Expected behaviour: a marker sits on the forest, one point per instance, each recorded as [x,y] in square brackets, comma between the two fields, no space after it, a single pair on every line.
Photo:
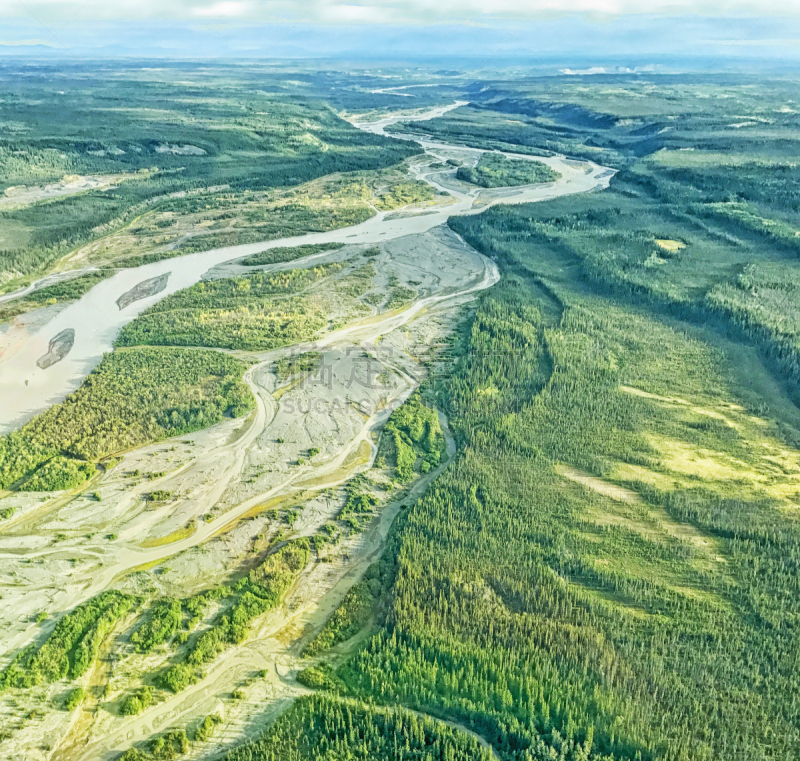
[318,728]
[289,219]
[608,570]
[412,441]
[156,140]
[73,644]
[698,206]
[544,614]
[494,170]
[131,398]
[254,313]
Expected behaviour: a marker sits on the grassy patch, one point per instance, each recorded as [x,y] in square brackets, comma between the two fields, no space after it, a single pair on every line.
[175,536]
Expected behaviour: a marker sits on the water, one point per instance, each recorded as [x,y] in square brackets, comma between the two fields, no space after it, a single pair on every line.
[96,318]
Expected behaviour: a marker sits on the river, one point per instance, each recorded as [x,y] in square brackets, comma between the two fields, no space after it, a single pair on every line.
[86,329]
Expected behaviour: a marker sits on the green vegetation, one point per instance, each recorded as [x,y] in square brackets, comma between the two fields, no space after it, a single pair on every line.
[318,728]
[207,727]
[496,171]
[360,502]
[564,613]
[260,591]
[320,677]
[169,746]
[290,219]
[349,618]
[257,312]
[481,127]
[412,440]
[288,367]
[195,606]
[559,610]
[166,747]
[763,302]
[178,677]
[6,513]
[74,698]
[693,213]
[131,398]
[72,646]
[404,194]
[135,702]
[358,280]
[161,622]
[66,290]
[288,253]
[182,139]
[59,473]
[399,295]
[608,568]
[674,257]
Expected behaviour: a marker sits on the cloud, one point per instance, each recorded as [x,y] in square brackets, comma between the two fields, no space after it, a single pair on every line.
[20,43]
[224,10]
[758,42]
[379,11]
[379,29]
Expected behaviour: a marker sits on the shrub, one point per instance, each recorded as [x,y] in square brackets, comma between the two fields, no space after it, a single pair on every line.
[169,746]
[74,698]
[73,644]
[136,702]
[320,677]
[162,622]
[177,677]
[207,727]
[133,754]
[59,474]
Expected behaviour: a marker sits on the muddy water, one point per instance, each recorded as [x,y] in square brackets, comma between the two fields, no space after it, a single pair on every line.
[30,384]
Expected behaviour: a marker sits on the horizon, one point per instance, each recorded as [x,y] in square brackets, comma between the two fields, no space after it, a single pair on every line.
[668,33]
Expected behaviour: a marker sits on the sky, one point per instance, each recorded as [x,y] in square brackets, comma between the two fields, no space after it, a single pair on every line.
[718,30]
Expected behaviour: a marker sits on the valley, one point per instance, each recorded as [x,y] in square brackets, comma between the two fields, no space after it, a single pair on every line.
[224,495]
[401,414]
